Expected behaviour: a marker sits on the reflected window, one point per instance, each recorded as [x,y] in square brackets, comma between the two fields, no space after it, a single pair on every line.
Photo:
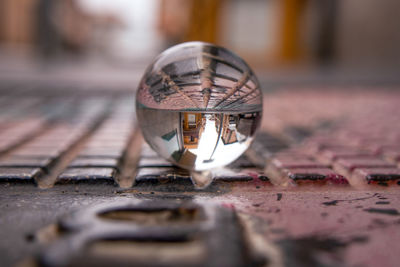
[192,128]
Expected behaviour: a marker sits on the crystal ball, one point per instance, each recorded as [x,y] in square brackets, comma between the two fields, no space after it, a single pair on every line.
[199,106]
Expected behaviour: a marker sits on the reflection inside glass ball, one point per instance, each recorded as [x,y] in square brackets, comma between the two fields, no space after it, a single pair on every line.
[199,106]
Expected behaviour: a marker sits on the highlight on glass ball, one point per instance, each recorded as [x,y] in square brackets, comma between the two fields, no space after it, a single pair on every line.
[199,106]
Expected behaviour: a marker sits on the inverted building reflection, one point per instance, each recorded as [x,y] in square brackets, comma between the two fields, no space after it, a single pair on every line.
[236,127]
[200,139]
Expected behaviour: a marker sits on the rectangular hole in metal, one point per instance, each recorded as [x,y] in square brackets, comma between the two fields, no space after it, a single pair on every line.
[153,216]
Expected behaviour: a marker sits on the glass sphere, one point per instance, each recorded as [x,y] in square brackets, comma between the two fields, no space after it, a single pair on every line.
[199,106]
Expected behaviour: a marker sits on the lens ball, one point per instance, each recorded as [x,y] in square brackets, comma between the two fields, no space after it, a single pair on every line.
[199,106]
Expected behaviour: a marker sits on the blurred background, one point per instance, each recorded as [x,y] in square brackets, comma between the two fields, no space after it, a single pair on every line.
[275,37]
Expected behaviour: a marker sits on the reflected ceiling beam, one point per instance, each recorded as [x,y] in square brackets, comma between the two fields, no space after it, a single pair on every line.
[174,76]
[207,67]
[223,61]
[244,96]
[176,88]
[243,80]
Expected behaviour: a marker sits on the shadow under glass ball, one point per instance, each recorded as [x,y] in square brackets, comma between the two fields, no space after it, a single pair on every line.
[199,106]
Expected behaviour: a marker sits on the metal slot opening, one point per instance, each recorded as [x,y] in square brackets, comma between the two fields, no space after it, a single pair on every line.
[153,216]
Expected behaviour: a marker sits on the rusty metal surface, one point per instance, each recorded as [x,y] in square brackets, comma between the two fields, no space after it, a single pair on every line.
[307,227]
[257,212]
